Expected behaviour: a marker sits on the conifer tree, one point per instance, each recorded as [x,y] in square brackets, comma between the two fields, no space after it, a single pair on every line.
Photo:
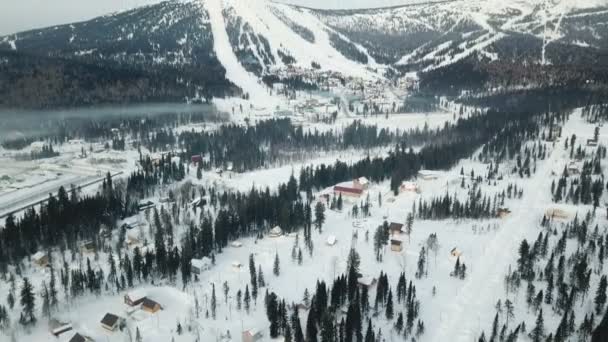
[600,295]
[538,332]
[27,302]
[253,277]
[276,269]
[261,280]
[389,305]
[213,301]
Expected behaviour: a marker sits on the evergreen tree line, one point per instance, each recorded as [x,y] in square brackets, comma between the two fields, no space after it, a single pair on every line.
[251,147]
[342,312]
[555,282]
[62,221]
[586,188]
[475,206]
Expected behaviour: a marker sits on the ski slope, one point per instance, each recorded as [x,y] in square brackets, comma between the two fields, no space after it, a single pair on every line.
[469,313]
[235,72]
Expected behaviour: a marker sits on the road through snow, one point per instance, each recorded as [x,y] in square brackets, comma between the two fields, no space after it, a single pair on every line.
[473,308]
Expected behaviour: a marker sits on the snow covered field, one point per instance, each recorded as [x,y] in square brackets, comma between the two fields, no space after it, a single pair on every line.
[452,309]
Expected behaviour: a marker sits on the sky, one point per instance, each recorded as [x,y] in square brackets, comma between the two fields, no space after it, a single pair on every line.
[21,15]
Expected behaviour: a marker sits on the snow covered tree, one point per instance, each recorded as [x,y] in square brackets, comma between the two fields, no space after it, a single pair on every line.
[311,326]
[298,336]
[261,280]
[389,305]
[276,269]
[253,277]
[213,301]
[28,303]
[600,295]
[421,263]
[272,312]
[409,225]
[538,332]
[319,215]
[247,299]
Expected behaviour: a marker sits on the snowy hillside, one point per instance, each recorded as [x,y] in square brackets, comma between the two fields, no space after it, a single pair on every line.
[197,39]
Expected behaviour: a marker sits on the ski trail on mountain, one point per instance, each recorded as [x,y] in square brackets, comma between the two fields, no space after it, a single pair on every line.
[469,311]
[235,72]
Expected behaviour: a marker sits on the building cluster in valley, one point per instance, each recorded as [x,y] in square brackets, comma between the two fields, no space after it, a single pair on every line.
[360,96]
[138,306]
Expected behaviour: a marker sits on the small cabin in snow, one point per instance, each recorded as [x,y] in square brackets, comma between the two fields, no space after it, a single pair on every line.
[409,187]
[396,244]
[428,174]
[366,281]
[201,265]
[88,247]
[57,328]
[455,252]
[135,297]
[331,240]
[252,335]
[361,183]
[503,212]
[40,259]
[150,305]
[79,338]
[276,232]
[236,244]
[395,228]
[110,322]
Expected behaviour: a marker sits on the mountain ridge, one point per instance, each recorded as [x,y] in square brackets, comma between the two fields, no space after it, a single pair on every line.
[265,37]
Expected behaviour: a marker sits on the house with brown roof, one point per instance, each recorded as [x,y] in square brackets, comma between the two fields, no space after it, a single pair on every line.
[347,191]
[135,297]
[396,244]
[150,305]
[395,228]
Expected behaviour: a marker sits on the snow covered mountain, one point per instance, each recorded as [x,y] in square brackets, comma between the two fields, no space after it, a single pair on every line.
[205,42]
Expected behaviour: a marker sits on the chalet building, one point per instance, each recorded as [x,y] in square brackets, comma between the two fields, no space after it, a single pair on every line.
[58,328]
[361,183]
[503,212]
[396,244]
[395,228]
[591,142]
[88,247]
[150,306]
[252,335]
[276,232]
[198,266]
[196,159]
[135,297]
[143,206]
[409,187]
[366,281]
[110,322]
[455,252]
[79,338]
[40,259]
[331,240]
[347,191]
[428,174]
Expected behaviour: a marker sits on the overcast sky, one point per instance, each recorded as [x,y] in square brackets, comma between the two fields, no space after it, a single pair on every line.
[20,15]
